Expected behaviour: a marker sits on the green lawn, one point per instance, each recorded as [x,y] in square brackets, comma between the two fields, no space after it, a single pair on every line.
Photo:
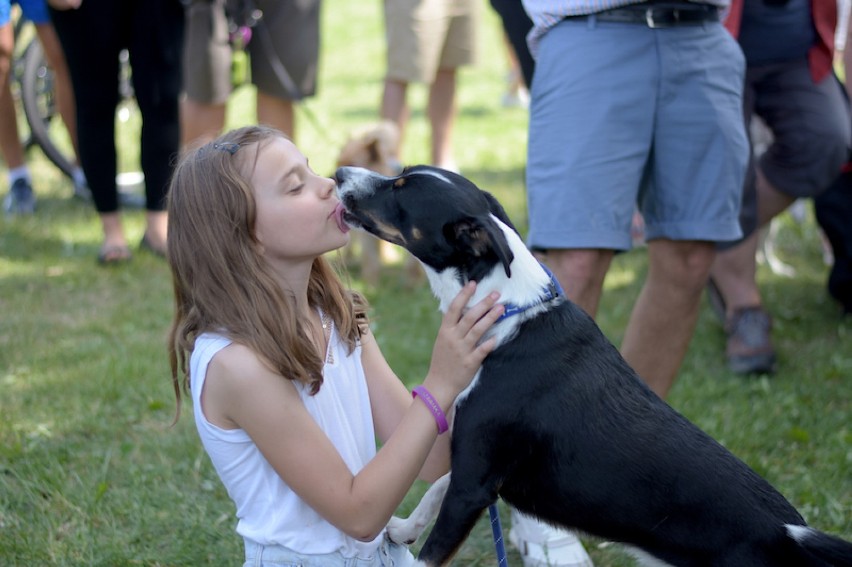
[91,473]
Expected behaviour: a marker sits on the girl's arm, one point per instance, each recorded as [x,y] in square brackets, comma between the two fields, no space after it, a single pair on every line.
[240,390]
[390,400]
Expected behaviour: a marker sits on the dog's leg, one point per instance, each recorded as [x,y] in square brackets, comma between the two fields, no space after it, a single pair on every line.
[408,530]
[462,507]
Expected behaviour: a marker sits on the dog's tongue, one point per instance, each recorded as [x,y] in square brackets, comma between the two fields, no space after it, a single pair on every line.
[338,217]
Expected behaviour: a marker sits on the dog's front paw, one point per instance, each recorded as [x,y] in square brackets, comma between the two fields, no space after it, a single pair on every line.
[403,531]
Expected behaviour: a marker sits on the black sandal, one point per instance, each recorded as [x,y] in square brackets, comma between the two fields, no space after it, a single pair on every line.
[146,244]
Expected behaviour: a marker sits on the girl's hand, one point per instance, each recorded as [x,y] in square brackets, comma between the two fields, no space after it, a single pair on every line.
[458,354]
[65,4]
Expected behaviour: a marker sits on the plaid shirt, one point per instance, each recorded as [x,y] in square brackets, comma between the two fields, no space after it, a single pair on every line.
[547,13]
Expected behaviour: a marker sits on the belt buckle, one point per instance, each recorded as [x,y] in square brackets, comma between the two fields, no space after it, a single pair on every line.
[652,22]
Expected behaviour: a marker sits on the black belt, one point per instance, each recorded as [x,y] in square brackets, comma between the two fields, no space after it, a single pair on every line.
[656,15]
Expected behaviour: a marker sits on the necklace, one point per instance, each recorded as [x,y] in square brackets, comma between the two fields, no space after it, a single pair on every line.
[326,333]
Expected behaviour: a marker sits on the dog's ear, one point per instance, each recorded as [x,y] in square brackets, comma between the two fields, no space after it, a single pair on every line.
[482,235]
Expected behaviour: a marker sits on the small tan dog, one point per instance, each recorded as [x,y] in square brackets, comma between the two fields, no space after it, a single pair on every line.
[373,147]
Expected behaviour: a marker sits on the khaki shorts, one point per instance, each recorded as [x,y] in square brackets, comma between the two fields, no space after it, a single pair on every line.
[293,27]
[426,35]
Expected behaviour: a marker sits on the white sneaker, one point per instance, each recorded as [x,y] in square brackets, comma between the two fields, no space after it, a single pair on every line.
[542,545]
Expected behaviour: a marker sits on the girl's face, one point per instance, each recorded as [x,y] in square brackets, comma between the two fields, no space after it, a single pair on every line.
[296,217]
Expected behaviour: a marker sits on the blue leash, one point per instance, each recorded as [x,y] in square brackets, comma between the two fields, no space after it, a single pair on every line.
[497,530]
[552,291]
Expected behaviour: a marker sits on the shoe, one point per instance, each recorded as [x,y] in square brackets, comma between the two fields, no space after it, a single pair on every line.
[114,255]
[542,545]
[749,349]
[146,244]
[20,200]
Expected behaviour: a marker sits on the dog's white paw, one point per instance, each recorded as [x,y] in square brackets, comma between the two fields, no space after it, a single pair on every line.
[403,530]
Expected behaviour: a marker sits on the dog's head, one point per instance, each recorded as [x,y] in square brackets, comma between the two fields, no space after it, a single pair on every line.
[372,148]
[440,217]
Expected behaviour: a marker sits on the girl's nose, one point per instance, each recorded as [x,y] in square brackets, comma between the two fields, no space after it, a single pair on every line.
[329,186]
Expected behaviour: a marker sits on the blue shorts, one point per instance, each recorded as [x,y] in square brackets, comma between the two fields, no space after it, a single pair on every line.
[623,115]
[33,10]
[388,555]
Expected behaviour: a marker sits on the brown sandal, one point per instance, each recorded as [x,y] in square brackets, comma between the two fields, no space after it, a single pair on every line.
[113,255]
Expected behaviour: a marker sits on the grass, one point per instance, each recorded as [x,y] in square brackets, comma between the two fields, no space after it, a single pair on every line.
[91,473]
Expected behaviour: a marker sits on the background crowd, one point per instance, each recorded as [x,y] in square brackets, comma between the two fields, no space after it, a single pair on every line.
[771,181]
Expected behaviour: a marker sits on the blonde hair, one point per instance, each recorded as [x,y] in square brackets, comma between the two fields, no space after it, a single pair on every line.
[222,283]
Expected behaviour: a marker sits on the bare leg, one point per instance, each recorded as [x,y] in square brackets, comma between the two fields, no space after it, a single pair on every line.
[7,45]
[734,270]
[156,223]
[395,109]
[664,316]
[63,92]
[581,273]
[113,230]
[10,142]
[442,112]
[276,112]
[200,122]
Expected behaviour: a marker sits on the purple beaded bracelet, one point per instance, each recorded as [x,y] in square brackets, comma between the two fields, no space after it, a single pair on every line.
[434,407]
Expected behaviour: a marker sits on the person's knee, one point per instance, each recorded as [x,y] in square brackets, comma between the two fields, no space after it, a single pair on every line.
[584,267]
[820,157]
[684,265]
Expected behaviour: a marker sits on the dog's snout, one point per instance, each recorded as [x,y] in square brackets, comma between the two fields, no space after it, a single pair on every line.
[340,175]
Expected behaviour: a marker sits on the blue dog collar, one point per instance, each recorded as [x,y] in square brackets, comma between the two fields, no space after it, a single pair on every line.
[549,293]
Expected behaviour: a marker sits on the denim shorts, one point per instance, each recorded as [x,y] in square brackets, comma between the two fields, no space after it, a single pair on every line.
[387,555]
[646,116]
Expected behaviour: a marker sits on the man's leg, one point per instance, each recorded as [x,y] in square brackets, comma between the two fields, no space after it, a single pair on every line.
[10,142]
[665,313]
[200,122]
[20,198]
[581,274]
[276,112]
[749,348]
[395,109]
[63,92]
[734,270]
[442,113]
[64,96]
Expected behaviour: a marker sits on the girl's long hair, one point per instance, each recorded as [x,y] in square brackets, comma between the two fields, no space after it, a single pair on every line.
[222,283]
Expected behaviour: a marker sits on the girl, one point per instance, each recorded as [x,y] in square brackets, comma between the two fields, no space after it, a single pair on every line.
[289,387]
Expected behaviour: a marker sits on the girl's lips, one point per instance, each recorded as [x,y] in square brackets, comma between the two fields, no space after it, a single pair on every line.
[337,213]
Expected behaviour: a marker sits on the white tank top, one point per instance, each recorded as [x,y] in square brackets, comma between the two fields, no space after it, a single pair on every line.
[269,512]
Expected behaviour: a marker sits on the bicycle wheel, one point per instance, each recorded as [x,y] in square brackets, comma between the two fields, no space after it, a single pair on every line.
[37,98]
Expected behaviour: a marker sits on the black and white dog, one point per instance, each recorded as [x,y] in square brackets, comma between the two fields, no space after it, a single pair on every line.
[556,423]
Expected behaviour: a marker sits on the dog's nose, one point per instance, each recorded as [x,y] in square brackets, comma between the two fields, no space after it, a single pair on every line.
[341,174]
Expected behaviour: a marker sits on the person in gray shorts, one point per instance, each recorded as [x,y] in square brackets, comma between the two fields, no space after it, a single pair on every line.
[286,37]
[651,115]
[790,85]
